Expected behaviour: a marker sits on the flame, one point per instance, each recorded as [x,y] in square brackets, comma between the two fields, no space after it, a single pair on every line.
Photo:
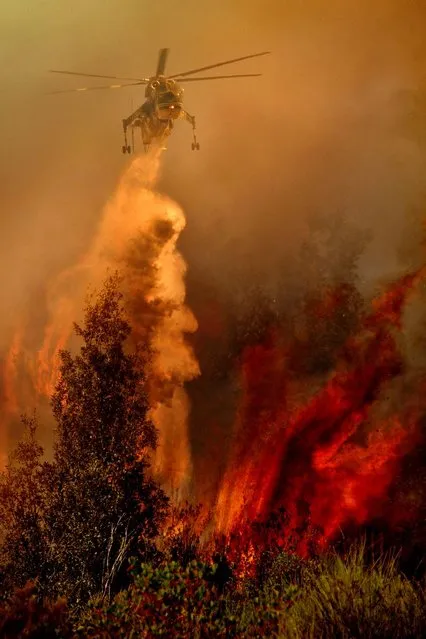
[325,457]
[317,457]
[137,235]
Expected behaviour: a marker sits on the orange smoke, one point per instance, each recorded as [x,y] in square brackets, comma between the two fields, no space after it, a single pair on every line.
[8,386]
[328,460]
[137,235]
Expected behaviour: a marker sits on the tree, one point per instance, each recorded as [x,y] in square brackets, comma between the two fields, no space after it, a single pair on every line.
[23,498]
[103,507]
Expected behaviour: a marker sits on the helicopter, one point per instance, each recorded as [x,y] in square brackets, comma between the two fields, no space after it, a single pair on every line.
[164,99]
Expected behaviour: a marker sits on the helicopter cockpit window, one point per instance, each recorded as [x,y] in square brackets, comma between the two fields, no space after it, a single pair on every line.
[168,96]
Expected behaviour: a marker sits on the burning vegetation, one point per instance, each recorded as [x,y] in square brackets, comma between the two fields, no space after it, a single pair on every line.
[305,432]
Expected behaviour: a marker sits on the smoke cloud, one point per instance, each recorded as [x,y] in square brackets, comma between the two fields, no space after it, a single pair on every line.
[335,126]
[137,235]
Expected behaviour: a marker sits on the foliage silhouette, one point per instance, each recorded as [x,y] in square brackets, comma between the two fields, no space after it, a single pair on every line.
[80,517]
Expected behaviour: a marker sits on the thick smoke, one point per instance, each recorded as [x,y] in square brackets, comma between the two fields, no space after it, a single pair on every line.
[137,235]
[333,125]
[334,130]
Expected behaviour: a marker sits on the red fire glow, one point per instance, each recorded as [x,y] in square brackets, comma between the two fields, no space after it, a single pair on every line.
[323,461]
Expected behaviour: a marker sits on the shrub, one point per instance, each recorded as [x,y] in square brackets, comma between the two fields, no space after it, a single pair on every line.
[25,615]
[170,600]
[351,598]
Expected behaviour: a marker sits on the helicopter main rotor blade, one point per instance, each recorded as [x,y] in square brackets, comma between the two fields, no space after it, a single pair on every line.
[220,77]
[162,59]
[111,86]
[219,64]
[95,75]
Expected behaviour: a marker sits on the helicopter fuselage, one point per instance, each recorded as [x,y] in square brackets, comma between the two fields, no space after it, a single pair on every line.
[165,98]
[156,116]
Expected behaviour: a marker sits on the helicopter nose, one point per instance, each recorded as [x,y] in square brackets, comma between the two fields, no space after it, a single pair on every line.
[174,110]
[169,111]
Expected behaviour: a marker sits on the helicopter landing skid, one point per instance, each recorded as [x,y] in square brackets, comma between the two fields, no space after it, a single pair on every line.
[126,148]
[195,145]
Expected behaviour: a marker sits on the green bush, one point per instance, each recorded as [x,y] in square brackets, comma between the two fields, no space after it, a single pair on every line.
[262,613]
[176,601]
[352,598]
[165,601]
[334,597]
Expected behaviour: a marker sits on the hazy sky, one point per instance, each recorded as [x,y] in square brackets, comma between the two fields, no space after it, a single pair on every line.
[320,131]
